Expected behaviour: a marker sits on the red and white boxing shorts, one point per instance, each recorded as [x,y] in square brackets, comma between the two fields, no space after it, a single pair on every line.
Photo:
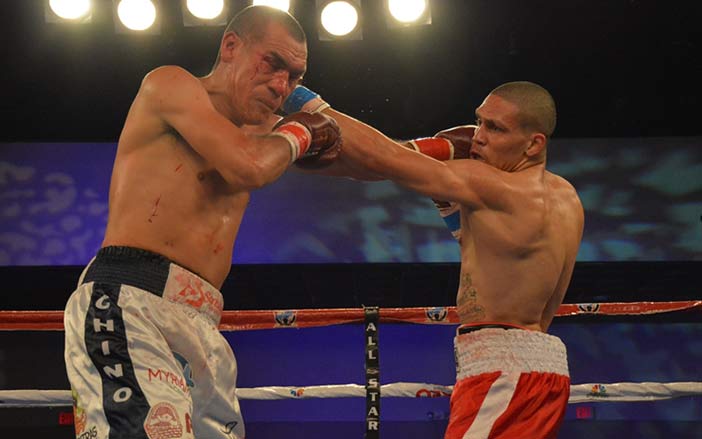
[511,383]
[144,356]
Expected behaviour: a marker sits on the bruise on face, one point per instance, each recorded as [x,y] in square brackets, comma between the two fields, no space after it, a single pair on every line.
[272,63]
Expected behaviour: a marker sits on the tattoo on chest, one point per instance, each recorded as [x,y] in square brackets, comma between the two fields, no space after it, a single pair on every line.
[467,301]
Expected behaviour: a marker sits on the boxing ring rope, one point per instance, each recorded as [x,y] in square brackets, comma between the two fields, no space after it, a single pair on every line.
[615,392]
[306,318]
[258,319]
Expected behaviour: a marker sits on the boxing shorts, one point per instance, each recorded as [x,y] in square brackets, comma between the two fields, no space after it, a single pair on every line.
[143,352]
[511,383]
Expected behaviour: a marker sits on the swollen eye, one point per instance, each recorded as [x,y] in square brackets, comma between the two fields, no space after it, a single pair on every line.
[266,66]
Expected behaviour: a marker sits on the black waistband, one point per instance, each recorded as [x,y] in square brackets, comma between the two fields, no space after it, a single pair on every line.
[473,328]
[130,266]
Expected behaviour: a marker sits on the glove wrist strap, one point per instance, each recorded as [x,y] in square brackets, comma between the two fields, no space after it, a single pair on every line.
[298,136]
[303,99]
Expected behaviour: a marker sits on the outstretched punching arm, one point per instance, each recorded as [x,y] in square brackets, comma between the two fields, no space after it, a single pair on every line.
[449,144]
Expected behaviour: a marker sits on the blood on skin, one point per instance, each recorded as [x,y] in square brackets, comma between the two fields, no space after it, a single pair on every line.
[153,212]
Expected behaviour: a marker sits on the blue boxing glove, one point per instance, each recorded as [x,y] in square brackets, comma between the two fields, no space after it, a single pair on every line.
[303,99]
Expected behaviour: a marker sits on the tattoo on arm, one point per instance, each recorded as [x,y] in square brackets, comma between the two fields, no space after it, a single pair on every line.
[467,301]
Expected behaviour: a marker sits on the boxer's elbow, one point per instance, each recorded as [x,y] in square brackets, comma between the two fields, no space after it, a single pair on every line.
[259,175]
[248,176]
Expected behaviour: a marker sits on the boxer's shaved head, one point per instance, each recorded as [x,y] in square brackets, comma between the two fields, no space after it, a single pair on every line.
[252,23]
[537,109]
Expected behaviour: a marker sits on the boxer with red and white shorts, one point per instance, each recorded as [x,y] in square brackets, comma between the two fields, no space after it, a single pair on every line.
[510,383]
[519,227]
[144,355]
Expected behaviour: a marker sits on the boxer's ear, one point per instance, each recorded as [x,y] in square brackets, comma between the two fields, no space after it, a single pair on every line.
[537,143]
[231,42]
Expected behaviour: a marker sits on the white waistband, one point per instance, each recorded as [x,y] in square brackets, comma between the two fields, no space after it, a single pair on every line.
[495,349]
[190,289]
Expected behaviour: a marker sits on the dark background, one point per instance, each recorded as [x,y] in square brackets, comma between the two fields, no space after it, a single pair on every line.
[617,68]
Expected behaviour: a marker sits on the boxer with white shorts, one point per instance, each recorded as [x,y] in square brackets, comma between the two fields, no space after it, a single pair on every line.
[143,354]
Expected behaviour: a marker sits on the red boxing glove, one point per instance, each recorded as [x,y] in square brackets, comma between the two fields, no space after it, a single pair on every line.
[450,144]
[314,138]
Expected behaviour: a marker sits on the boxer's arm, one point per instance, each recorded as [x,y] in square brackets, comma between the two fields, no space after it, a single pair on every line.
[449,144]
[467,182]
[178,99]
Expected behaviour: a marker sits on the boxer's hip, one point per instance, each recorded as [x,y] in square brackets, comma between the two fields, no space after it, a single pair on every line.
[493,347]
[156,274]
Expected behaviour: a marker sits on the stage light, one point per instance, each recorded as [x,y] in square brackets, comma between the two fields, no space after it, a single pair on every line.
[136,16]
[407,12]
[204,12]
[278,4]
[78,11]
[339,20]
[205,9]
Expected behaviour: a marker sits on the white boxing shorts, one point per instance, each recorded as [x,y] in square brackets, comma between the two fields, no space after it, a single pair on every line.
[511,383]
[143,353]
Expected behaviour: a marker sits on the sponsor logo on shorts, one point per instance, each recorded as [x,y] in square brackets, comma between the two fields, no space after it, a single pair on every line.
[91,433]
[188,423]
[431,393]
[589,308]
[173,379]
[437,314]
[229,427]
[195,293]
[285,318]
[187,370]
[162,422]
[78,414]
[80,418]
[598,391]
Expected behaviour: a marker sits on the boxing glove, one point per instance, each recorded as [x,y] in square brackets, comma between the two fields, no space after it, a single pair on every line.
[303,99]
[449,144]
[314,138]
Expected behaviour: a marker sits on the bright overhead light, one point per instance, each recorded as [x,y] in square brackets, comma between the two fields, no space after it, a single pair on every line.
[278,4]
[205,9]
[70,9]
[136,14]
[407,11]
[339,18]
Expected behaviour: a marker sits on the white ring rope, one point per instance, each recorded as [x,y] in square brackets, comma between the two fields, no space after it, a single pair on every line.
[592,392]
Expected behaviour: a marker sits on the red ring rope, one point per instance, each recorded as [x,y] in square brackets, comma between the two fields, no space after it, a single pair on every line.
[304,318]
